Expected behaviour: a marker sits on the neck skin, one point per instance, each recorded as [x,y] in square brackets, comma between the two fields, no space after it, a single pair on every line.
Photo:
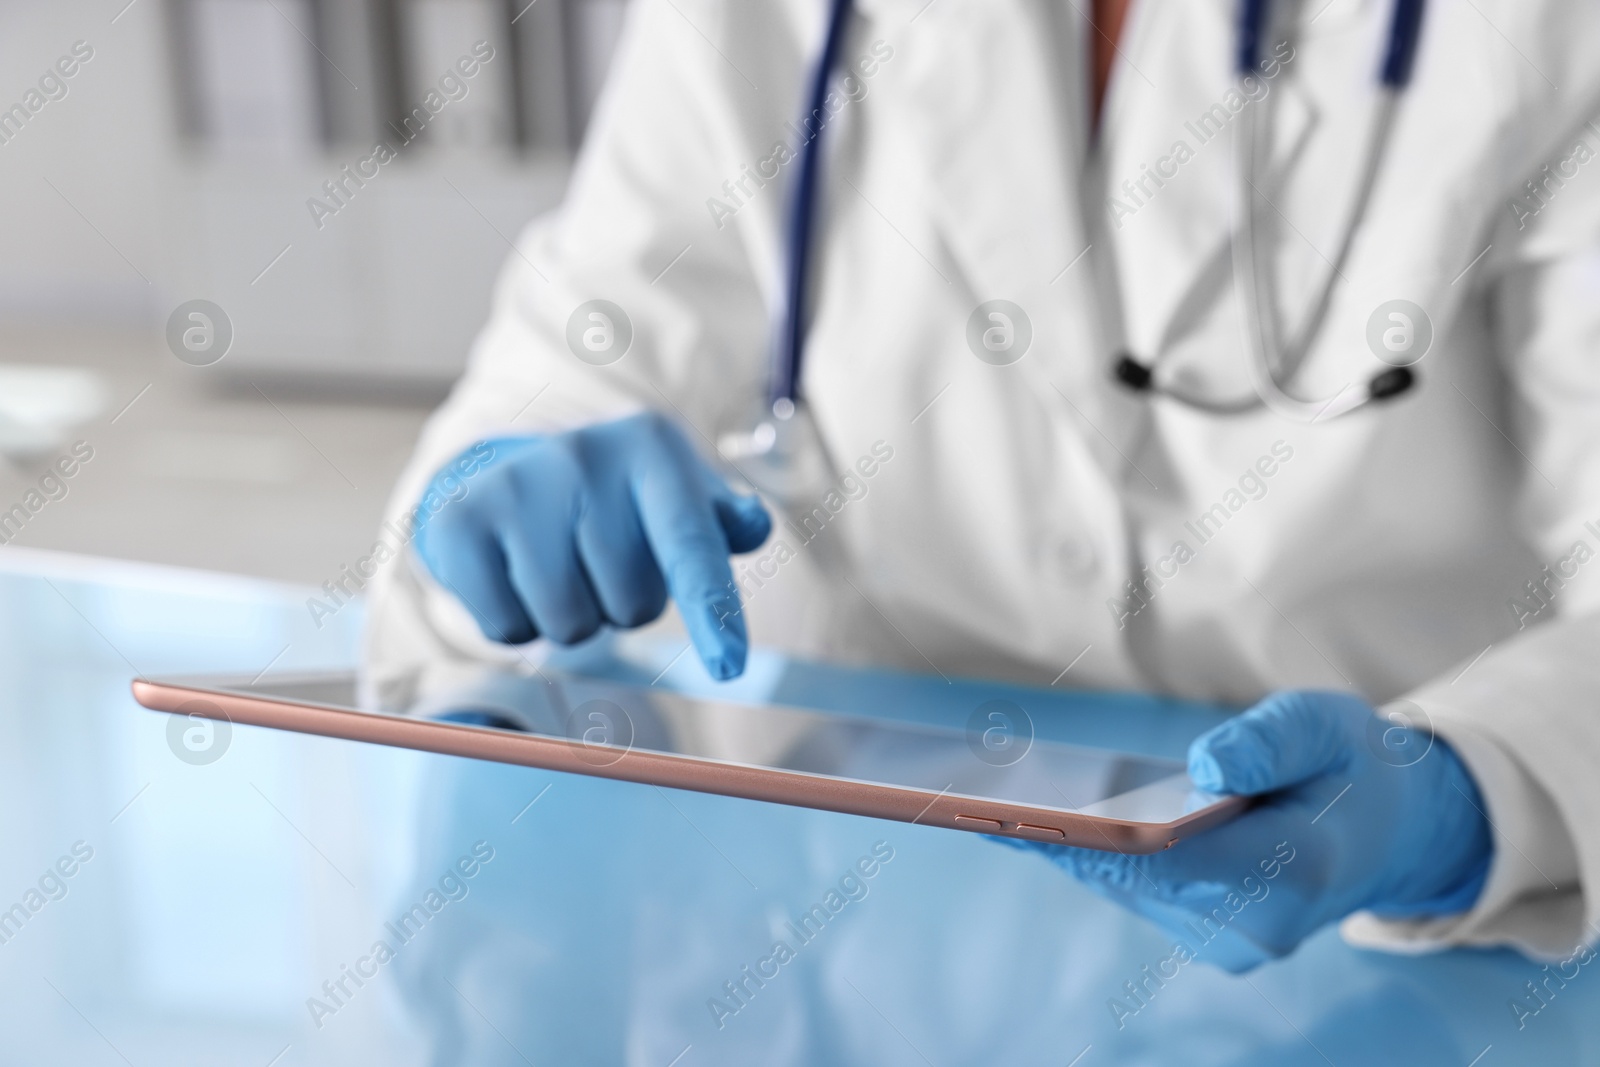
[1108,17]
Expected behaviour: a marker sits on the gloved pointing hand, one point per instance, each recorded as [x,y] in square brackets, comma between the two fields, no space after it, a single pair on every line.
[1350,819]
[561,533]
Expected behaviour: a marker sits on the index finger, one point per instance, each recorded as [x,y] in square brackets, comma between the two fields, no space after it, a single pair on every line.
[680,524]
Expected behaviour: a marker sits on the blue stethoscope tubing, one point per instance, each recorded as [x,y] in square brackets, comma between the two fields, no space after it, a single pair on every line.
[790,342]
[783,455]
[1399,56]
[1269,357]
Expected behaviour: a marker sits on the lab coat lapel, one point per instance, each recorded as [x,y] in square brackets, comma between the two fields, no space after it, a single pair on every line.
[1167,151]
[1002,118]
[1003,146]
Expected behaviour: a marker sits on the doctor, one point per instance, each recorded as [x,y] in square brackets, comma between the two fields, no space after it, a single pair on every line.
[1242,351]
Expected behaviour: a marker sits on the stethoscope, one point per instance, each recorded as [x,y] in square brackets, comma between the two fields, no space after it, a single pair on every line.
[784,437]
[1266,355]
[783,455]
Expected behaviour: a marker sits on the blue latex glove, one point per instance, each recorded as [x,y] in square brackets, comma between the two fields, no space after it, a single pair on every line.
[1346,822]
[557,535]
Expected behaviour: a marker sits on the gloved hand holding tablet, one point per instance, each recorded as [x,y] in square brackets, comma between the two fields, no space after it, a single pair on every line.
[1341,826]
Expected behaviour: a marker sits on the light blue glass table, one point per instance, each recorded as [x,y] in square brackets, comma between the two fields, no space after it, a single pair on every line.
[230,912]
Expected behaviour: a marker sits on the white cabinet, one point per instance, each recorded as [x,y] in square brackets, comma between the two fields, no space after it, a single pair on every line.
[387,292]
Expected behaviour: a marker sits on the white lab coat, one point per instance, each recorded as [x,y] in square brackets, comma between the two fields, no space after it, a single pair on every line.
[1383,553]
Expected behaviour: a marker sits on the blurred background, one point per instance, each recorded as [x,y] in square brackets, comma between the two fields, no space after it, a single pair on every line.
[341,178]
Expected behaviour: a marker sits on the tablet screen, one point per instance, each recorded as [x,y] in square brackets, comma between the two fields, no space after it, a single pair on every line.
[994,758]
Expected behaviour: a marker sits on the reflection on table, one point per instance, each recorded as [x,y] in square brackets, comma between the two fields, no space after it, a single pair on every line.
[230,907]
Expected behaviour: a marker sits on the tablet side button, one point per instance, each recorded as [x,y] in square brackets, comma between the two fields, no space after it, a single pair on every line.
[1040,833]
[972,822]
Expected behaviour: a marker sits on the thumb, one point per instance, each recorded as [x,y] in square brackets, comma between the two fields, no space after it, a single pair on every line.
[744,521]
[1282,741]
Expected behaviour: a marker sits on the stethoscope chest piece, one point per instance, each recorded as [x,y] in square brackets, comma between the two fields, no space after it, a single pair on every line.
[782,456]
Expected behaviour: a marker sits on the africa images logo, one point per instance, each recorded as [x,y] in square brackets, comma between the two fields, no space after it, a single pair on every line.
[599,332]
[199,332]
[199,732]
[999,332]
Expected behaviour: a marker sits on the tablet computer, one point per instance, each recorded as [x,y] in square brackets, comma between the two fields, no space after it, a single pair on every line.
[978,780]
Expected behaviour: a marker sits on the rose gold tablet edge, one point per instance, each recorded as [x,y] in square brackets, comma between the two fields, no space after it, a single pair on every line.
[767,784]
